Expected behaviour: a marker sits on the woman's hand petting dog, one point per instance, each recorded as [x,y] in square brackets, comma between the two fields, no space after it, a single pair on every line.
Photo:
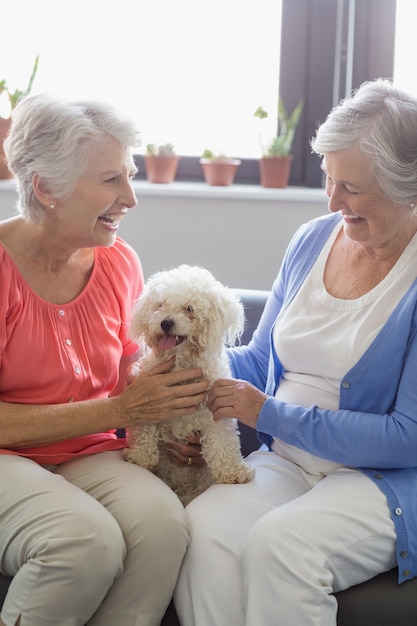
[239,399]
[186,453]
[157,394]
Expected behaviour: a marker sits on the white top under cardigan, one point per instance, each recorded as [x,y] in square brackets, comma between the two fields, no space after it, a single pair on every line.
[343,330]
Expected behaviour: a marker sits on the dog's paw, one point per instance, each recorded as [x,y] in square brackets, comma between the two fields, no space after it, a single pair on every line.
[246,475]
[134,456]
[236,475]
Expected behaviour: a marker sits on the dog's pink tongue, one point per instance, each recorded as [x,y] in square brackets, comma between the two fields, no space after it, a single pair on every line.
[167,342]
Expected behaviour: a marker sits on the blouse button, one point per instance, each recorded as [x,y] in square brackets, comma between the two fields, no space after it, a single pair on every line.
[61,312]
[406,572]
[77,370]
[68,342]
[398,511]
[404,554]
[345,385]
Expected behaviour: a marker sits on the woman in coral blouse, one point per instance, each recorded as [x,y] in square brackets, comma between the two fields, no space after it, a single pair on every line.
[85,535]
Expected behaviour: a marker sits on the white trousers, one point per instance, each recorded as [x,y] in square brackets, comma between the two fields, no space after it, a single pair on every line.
[271,552]
[95,540]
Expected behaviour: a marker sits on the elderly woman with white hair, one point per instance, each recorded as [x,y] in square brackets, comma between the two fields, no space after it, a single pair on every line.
[330,383]
[86,536]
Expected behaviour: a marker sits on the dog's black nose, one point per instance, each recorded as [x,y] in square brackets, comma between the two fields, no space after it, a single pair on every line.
[167,325]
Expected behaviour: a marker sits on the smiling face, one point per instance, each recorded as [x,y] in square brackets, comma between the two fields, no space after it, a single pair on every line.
[102,196]
[185,311]
[369,216]
[171,327]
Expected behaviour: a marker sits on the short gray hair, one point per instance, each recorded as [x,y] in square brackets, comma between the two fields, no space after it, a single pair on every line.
[379,120]
[52,138]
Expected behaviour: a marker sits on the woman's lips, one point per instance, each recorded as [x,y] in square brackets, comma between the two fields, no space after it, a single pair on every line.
[110,220]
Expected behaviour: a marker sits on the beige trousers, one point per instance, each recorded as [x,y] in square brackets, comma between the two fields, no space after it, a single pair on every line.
[95,540]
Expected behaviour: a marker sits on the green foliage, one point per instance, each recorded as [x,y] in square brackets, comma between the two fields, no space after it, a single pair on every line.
[281,145]
[261,113]
[166,149]
[220,157]
[14,96]
[208,154]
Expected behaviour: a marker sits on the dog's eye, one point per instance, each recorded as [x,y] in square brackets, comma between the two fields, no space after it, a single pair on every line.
[189,308]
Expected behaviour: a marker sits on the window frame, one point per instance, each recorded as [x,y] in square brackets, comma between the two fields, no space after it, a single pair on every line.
[308,53]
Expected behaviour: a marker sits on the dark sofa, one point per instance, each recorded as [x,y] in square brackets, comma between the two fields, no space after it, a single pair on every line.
[378,602]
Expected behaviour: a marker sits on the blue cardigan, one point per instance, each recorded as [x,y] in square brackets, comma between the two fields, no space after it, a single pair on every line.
[375,428]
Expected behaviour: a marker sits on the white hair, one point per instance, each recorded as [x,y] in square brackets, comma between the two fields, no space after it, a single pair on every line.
[380,121]
[52,138]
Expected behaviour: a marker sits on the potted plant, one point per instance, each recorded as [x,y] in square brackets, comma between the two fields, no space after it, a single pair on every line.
[218,169]
[161,163]
[10,98]
[275,164]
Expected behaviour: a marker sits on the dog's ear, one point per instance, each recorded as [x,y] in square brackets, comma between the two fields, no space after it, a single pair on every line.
[234,316]
[139,318]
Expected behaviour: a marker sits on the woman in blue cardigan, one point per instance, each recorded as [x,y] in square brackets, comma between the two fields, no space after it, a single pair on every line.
[330,383]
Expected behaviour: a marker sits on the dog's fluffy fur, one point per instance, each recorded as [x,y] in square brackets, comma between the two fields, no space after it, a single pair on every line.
[186,312]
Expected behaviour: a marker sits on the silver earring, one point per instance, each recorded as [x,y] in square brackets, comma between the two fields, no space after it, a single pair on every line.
[52,206]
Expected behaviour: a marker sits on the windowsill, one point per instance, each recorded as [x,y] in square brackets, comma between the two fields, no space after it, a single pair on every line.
[235,192]
[202,190]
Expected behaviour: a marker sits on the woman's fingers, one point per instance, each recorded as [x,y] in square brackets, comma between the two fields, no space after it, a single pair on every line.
[230,398]
[158,394]
[185,453]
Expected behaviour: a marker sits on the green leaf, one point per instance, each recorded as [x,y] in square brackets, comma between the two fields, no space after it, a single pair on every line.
[281,145]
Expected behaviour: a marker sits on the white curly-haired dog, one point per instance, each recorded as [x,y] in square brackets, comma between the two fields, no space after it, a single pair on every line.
[186,312]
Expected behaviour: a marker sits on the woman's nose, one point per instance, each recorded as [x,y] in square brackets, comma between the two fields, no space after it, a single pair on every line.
[336,200]
[129,197]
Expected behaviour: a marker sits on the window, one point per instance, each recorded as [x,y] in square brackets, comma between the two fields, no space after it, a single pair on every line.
[192,73]
[405,75]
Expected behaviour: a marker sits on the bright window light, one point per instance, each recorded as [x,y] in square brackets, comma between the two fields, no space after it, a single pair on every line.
[405,75]
[192,73]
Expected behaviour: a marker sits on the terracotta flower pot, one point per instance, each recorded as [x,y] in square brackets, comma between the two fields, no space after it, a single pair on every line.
[4,130]
[275,171]
[219,173]
[161,169]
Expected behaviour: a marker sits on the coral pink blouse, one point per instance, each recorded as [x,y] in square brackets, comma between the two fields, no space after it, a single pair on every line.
[51,354]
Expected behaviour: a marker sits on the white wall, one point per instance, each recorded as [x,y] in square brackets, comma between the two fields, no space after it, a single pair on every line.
[240,232]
